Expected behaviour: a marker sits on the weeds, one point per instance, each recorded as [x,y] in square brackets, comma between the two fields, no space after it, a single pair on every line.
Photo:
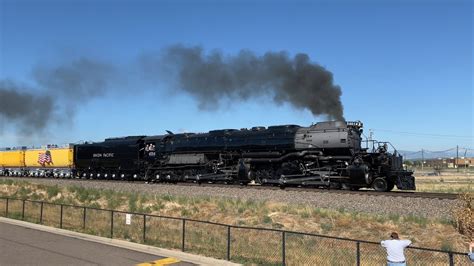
[52,191]
[326,227]
[132,202]
[23,192]
[446,246]
[267,219]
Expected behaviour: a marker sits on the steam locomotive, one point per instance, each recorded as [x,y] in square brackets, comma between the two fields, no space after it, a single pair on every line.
[326,154]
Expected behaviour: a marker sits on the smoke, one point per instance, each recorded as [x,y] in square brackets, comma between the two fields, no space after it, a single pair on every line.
[26,109]
[209,77]
[58,92]
[212,77]
[80,79]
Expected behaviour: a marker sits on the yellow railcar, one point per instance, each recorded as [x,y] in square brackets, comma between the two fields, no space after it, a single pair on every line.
[49,158]
[12,159]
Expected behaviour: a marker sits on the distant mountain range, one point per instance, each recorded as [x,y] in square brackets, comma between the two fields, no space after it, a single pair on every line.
[451,153]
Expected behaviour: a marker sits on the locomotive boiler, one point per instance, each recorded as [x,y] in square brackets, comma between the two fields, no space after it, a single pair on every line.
[327,154]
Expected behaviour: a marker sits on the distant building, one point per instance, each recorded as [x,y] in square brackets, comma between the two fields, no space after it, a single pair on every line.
[461,162]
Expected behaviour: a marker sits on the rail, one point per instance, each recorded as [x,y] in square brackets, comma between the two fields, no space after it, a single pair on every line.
[243,244]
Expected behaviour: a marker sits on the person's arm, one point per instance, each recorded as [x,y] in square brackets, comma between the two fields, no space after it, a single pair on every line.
[407,242]
[471,246]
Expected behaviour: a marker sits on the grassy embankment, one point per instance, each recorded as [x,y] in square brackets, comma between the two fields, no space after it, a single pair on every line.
[247,246]
[445,183]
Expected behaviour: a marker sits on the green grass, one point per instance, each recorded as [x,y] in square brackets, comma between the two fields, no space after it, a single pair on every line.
[52,191]
[422,221]
[446,245]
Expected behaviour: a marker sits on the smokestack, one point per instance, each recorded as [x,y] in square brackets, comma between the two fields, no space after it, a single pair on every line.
[213,76]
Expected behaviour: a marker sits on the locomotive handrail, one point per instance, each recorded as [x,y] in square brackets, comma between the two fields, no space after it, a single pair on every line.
[373,141]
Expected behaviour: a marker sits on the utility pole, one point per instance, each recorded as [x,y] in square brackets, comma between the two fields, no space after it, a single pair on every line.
[456,163]
[370,139]
[422,159]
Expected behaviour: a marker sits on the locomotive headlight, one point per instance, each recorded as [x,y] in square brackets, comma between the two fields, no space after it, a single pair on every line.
[84,174]
[135,176]
[105,175]
[91,175]
[113,175]
[122,175]
[98,175]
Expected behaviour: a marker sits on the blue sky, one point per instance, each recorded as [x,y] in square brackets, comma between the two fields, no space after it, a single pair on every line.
[405,67]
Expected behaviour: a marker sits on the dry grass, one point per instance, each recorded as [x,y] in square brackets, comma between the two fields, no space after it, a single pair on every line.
[464,215]
[445,186]
[210,240]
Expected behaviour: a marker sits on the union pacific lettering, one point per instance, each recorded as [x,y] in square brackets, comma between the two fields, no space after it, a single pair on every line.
[103,155]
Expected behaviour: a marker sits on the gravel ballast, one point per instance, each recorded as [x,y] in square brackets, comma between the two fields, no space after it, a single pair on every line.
[429,208]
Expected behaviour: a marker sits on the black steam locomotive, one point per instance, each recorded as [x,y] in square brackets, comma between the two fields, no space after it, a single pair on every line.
[327,154]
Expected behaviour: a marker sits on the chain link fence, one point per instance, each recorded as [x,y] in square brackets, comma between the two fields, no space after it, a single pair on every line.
[246,245]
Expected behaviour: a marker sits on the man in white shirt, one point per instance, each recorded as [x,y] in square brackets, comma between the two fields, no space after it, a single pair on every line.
[395,248]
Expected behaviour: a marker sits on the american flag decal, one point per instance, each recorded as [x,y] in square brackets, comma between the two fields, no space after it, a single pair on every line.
[45,158]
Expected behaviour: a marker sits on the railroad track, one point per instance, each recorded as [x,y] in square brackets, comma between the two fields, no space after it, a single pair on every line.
[404,194]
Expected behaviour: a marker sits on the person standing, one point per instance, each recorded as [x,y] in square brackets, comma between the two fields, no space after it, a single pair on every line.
[471,254]
[395,250]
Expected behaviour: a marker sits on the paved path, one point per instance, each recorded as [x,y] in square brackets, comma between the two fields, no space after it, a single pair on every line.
[30,244]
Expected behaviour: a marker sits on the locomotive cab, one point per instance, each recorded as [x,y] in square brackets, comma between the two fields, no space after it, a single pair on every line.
[387,168]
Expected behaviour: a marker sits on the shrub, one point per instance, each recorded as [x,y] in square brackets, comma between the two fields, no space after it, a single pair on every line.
[326,227]
[23,192]
[446,246]
[463,214]
[267,219]
[52,191]
[132,202]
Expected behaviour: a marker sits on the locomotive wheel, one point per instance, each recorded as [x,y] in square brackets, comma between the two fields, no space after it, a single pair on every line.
[380,184]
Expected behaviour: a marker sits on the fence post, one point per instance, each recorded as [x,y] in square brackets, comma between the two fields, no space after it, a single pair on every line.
[144,228]
[451,259]
[84,219]
[283,248]
[23,211]
[41,213]
[111,224]
[6,209]
[228,242]
[184,233]
[61,218]
[358,253]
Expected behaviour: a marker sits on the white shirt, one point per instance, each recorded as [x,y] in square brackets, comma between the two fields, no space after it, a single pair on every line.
[395,249]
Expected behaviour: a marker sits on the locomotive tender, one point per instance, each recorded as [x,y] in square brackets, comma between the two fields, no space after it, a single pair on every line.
[326,154]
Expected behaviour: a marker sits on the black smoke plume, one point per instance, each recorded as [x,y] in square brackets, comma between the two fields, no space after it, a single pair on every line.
[80,79]
[211,77]
[23,108]
[58,92]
